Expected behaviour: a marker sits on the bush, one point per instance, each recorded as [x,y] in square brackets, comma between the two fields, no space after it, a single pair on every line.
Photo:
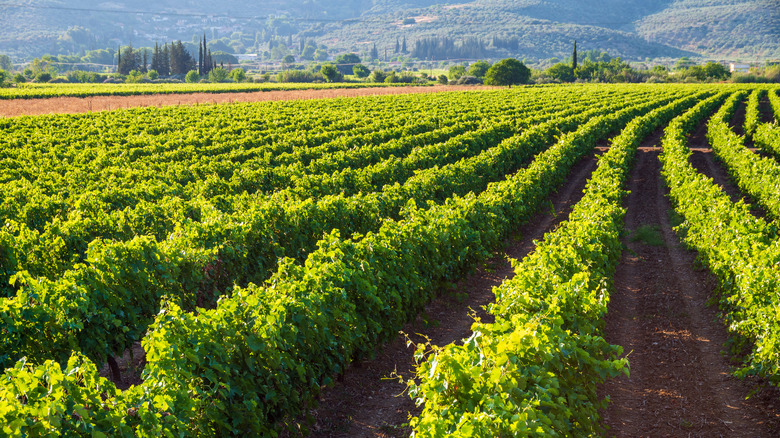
[238,75]
[218,74]
[468,80]
[360,71]
[297,76]
[43,77]
[378,76]
[134,77]
[330,72]
[442,79]
[19,78]
[456,71]
[152,74]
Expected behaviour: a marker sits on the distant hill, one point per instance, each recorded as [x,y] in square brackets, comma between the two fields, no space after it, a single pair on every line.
[537,29]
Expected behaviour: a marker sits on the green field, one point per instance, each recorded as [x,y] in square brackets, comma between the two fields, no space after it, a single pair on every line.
[37,91]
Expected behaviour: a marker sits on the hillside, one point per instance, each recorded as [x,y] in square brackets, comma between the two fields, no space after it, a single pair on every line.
[536,29]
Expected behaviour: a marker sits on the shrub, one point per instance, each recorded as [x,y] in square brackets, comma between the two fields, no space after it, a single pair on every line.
[43,77]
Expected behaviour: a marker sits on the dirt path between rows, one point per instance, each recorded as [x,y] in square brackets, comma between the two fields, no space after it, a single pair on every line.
[365,405]
[71,105]
[680,383]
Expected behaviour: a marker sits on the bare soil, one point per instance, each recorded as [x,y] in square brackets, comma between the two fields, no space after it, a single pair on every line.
[368,403]
[70,105]
[680,383]
[765,113]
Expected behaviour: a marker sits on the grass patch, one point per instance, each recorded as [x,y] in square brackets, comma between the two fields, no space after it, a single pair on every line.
[648,234]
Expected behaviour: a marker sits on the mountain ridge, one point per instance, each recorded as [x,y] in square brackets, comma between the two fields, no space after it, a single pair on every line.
[632,29]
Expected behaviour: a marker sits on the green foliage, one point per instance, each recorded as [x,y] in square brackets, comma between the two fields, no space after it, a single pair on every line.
[43,77]
[5,63]
[478,69]
[152,74]
[330,72]
[345,62]
[238,75]
[378,76]
[739,248]
[360,71]
[298,76]
[456,71]
[535,370]
[134,76]
[507,72]
[162,220]
[442,79]
[218,74]
[561,72]
[191,77]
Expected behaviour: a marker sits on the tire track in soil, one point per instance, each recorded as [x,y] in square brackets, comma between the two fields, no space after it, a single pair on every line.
[365,404]
[680,383]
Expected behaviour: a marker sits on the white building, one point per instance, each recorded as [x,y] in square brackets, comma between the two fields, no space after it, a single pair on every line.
[739,68]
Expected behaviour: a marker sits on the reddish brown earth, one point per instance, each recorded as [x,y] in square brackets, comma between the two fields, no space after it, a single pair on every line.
[680,383]
[68,105]
[365,405]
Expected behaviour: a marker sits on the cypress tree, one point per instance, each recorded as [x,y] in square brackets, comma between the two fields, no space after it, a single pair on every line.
[200,59]
[403,47]
[397,45]
[574,57]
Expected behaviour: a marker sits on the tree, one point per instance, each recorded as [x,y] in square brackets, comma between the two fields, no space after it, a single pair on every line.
[345,62]
[574,57]
[374,53]
[192,77]
[715,70]
[403,47]
[561,72]
[320,55]
[238,75]
[152,74]
[360,70]
[128,60]
[288,60]
[5,63]
[509,72]
[456,71]
[330,72]
[218,74]
[378,76]
[3,78]
[478,69]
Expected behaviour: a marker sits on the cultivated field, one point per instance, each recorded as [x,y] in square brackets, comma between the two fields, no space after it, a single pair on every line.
[215,270]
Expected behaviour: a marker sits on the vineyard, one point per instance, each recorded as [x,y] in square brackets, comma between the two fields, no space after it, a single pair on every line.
[256,250]
[46,90]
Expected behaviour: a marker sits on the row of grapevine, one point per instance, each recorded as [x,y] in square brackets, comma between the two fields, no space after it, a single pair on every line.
[767,135]
[739,248]
[38,91]
[535,370]
[258,359]
[757,176]
[752,114]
